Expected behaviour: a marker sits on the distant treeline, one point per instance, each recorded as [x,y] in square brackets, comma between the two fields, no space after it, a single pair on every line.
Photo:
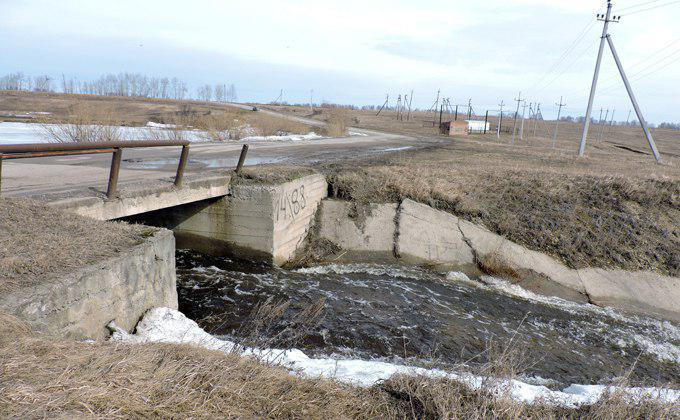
[631,123]
[122,84]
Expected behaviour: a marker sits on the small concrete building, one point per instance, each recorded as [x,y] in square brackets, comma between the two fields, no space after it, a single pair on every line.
[478,126]
[454,128]
[462,128]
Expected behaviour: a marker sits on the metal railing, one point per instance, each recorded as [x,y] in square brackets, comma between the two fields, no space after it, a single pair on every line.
[34,150]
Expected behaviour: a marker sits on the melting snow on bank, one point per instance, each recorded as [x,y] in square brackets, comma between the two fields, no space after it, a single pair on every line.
[171,326]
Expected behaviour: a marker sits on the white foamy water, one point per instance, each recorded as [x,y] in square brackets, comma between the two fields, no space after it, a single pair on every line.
[170,326]
[666,334]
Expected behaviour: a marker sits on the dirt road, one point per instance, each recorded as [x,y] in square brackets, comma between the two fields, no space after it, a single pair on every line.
[39,176]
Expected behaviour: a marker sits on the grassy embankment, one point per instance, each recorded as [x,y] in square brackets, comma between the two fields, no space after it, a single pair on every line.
[52,377]
[38,242]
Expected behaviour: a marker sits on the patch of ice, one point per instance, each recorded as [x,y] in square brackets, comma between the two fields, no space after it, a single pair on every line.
[396,149]
[159,125]
[286,137]
[356,133]
[170,326]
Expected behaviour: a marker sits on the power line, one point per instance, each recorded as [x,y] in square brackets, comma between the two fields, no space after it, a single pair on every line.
[566,69]
[644,72]
[591,23]
[651,8]
[634,6]
[647,58]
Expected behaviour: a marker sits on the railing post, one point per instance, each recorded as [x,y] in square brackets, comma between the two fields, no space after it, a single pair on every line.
[242,158]
[182,164]
[113,175]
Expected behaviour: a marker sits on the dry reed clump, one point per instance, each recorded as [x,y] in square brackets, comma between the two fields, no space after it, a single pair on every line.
[37,241]
[267,328]
[337,122]
[494,264]
[86,122]
[269,125]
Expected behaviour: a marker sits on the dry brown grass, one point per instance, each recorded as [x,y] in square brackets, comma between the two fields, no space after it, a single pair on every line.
[49,377]
[337,121]
[41,377]
[37,242]
[494,264]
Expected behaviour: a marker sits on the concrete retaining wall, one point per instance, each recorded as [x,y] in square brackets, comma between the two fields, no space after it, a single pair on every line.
[121,289]
[430,236]
[368,230]
[423,235]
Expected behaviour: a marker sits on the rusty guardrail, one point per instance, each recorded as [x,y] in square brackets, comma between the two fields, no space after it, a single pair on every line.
[34,150]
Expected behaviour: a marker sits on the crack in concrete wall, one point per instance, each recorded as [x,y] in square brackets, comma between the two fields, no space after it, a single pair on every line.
[423,235]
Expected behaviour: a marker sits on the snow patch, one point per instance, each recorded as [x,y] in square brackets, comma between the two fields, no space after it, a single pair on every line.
[285,137]
[167,325]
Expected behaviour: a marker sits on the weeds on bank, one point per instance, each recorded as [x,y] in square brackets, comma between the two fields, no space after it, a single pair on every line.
[86,123]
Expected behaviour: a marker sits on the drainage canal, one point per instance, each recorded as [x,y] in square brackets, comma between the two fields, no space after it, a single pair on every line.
[413,316]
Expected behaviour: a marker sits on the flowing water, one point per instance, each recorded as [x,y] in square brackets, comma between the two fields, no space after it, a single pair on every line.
[411,315]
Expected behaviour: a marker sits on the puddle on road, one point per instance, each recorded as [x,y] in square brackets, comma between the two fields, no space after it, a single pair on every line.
[396,149]
[203,163]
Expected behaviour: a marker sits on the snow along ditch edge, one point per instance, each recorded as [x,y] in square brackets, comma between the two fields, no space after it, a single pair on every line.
[166,325]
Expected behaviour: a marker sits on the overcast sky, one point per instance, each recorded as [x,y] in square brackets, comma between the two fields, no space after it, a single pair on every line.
[356,51]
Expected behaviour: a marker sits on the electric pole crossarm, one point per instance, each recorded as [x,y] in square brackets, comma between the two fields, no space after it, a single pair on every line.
[643,123]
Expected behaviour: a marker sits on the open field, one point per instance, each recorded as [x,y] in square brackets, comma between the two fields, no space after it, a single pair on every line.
[628,140]
[214,118]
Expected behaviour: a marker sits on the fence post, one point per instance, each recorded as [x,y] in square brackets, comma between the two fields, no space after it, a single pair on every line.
[115,169]
[456,117]
[441,111]
[486,120]
[0,174]
[182,164]
[242,158]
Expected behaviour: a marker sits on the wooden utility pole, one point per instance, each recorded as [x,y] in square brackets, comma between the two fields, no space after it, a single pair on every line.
[521,127]
[387,99]
[514,125]
[500,120]
[410,101]
[557,123]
